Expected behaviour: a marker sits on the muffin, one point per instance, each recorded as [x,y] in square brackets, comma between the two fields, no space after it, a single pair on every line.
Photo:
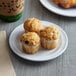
[65,3]
[33,25]
[30,42]
[50,37]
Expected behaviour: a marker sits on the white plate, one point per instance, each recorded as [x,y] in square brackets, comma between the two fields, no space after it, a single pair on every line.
[42,55]
[56,9]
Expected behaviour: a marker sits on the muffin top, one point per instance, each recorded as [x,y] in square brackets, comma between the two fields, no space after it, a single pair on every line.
[32,25]
[51,33]
[30,38]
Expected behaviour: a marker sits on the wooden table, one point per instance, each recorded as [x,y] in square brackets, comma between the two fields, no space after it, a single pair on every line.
[65,65]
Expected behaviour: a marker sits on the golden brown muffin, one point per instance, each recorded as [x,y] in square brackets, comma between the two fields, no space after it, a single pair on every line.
[66,3]
[30,42]
[33,25]
[50,37]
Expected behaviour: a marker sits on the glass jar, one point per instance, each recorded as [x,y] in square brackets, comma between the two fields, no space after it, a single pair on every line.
[11,10]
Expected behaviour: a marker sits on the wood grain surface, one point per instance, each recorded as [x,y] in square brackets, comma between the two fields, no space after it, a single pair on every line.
[65,65]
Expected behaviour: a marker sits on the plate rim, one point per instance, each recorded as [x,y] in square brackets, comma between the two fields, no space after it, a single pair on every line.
[38,59]
[41,1]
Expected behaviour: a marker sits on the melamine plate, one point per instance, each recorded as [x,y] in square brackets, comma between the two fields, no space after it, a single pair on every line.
[56,9]
[42,55]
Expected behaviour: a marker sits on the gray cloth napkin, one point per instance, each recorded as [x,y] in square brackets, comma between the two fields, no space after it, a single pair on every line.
[6,67]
